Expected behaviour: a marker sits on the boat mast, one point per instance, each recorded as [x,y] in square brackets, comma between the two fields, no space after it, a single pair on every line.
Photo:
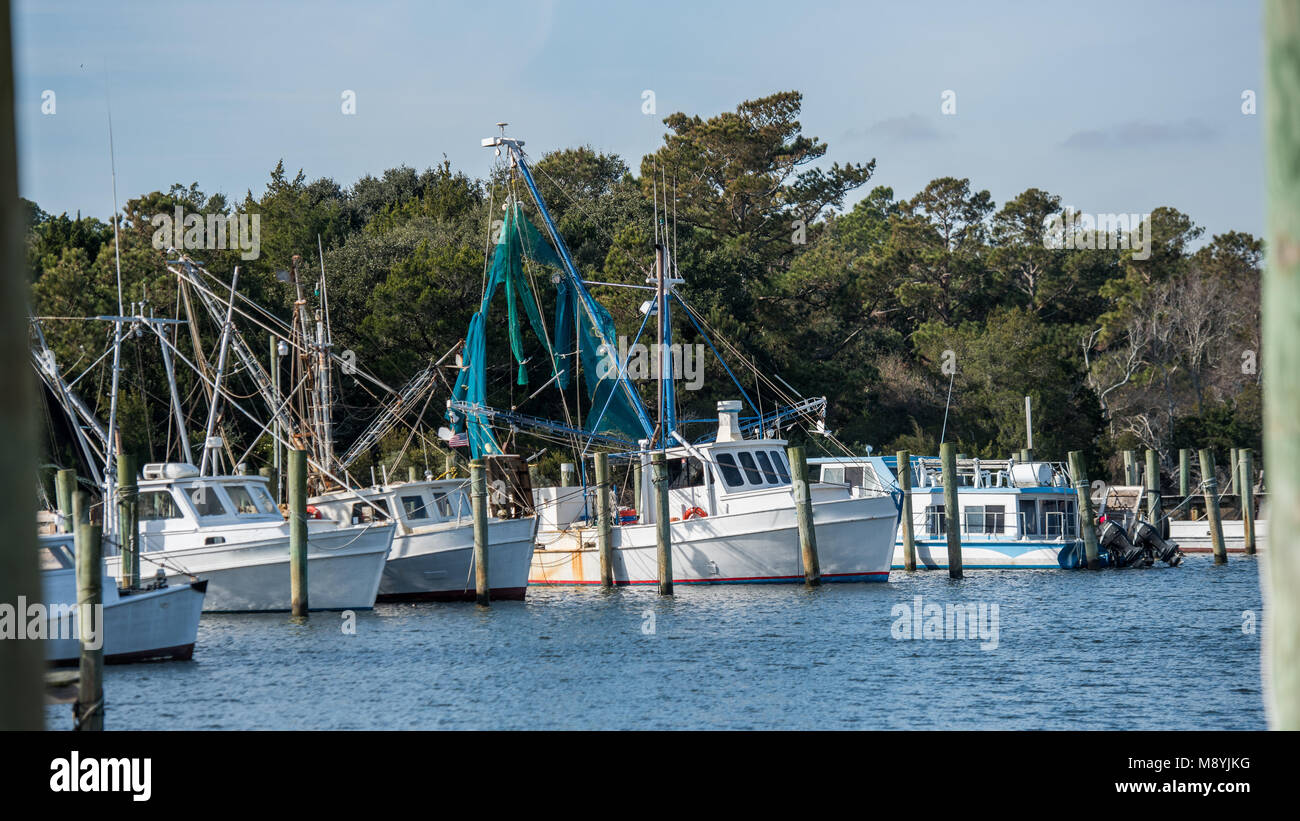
[324,344]
[226,330]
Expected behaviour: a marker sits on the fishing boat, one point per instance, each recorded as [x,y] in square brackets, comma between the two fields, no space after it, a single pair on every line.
[1013,515]
[732,507]
[158,621]
[229,531]
[733,521]
[432,558]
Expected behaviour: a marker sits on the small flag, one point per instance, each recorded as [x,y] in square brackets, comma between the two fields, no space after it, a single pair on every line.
[459,440]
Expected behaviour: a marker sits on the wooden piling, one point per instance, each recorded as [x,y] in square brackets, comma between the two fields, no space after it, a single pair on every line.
[88,712]
[904,473]
[568,474]
[1210,489]
[604,522]
[1184,479]
[478,503]
[297,491]
[663,535]
[412,473]
[1246,458]
[128,528]
[951,510]
[803,509]
[1087,518]
[1280,301]
[65,484]
[1153,487]
[1130,467]
[1233,455]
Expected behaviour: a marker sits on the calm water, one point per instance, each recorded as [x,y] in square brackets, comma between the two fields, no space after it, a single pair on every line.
[1156,649]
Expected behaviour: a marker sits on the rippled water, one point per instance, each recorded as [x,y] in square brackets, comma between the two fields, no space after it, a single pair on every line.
[1156,649]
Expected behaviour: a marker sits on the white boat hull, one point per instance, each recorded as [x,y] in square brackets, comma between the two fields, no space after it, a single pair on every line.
[933,555]
[1194,536]
[344,567]
[437,563]
[854,543]
[149,624]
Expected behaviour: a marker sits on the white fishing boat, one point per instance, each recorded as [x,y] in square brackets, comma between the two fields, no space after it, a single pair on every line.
[432,558]
[733,521]
[1012,515]
[1193,535]
[228,530]
[160,621]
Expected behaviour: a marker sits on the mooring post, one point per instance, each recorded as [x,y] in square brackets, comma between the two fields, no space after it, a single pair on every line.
[1087,519]
[88,712]
[65,484]
[663,535]
[1184,480]
[951,510]
[1246,459]
[904,473]
[297,491]
[1233,455]
[1153,487]
[1130,467]
[478,504]
[1210,489]
[803,511]
[568,474]
[449,465]
[604,522]
[412,473]
[1280,301]
[128,529]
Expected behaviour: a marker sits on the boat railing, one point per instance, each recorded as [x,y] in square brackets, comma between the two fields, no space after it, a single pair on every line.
[1055,525]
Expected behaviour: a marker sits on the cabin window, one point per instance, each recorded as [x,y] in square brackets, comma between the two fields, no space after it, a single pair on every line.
[730,473]
[778,462]
[153,506]
[242,500]
[832,474]
[1029,517]
[365,513]
[765,464]
[444,506]
[685,472]
[986,519]
[935,522]
[1058,517]
[853,476]
[263,499]
[206,501]
[751,469]
[413,507]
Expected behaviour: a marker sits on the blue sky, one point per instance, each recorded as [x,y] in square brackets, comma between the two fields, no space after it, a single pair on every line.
[1117,107]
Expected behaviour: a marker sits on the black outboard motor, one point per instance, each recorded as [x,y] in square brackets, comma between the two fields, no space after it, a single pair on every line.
[1148,537]
[1123,553]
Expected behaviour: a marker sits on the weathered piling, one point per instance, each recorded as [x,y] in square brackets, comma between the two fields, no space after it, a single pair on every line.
[951,511]
[88,712]
[1247,500]
[904,473]
[128,528]
[412,473]
[1233,455]
[1130,468]
[663,535]
[1210,489]
[1153,486]
[568,474]
[803,511]
[478,503]
[297,491]
[604,522]
[1087,519]
[1184,477]
[65,484]
[1280,301]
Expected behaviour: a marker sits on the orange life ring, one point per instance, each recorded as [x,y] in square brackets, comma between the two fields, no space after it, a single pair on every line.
[693,512]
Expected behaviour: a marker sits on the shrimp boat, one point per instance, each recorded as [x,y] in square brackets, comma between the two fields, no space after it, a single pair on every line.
[734,523]
[730,495]
[159,621]
[1013,515]
[228,531]
[433,542]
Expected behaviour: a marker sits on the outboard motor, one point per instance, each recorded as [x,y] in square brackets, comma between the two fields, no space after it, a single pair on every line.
[1122,552]
[1147,536]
